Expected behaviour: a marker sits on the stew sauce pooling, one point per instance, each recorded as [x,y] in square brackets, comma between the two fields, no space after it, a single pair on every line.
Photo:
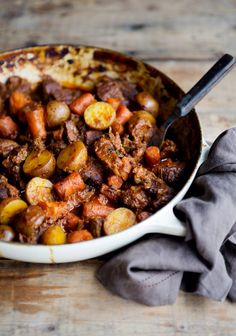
[78,165]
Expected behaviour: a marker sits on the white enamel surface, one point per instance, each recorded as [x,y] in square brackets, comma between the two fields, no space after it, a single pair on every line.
[164,221]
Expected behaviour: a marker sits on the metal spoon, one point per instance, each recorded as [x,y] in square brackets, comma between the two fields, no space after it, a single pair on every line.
[198,91]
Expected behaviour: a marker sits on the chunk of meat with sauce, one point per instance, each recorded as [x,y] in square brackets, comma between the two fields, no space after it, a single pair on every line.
[169,149]
[6,146]
[171,172]
[6,189]
[112,194]
[13,164]
[80,197]
[116,88]
[92,173]
[153,184]
[16,83]
[94,226]
[91,136]
[135,198]
[113,155]
[142,216]
[141,131]
[30,224]
[71,131]
[53,90]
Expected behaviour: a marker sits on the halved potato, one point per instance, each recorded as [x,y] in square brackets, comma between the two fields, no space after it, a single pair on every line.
[119,220]
[57,113]
[39,190]
[73,157]
[99,115]
[9,208]
[40,164]
[148,102]
[142,115]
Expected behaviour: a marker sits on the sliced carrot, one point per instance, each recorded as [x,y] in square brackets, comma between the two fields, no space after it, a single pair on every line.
[69,185]
[8,128]
[123,114]
[17,101]
[80,104]
[78,236]
[152,155]
[94,209]
[117,128]
[115,181]
[114,102]
[54,210]
[35,117]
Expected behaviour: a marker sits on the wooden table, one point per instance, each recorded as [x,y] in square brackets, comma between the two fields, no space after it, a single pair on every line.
[182,38]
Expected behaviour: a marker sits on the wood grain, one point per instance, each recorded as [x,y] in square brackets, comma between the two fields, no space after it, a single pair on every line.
[182,38]
[67,300]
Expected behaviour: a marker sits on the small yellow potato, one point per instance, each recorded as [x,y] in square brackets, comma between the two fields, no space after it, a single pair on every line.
[57,113]
[40,164]
[148,103]
[9,208]
[141,115]
[119,220]
[99,115]
[6,233]
[54,235]
[73,157]
[39,190]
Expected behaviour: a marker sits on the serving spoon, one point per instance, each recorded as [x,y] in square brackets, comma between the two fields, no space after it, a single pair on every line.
[197,92]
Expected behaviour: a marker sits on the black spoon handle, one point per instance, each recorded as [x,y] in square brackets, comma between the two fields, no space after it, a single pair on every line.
[204,85]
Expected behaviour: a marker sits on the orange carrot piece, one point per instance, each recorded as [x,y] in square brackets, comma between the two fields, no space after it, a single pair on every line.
[152,155]
[117,128]
[35,117]
[72,222]
[95,209]
[54,210]
[8,128]
[123,114]
[69,185]
[114,181]
[114,102]
[17,101]
[78,236]
[80,104]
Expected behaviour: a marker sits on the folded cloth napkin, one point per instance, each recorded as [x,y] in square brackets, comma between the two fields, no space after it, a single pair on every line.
[152,270]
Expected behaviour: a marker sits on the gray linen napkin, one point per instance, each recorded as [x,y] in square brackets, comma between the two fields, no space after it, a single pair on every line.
[152,270]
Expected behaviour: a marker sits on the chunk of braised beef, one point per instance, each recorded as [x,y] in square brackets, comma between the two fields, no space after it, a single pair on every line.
[116,88]
[80,197]
[94,226]
[30,224]
[92,173]
[171,172]
[113,155]
[135,198]
[141,216]
[91,136]
[169,149]
[53,90]
[71,131]
[112,194]
[13,164]
[17,83]
[6,189]
[56,146]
